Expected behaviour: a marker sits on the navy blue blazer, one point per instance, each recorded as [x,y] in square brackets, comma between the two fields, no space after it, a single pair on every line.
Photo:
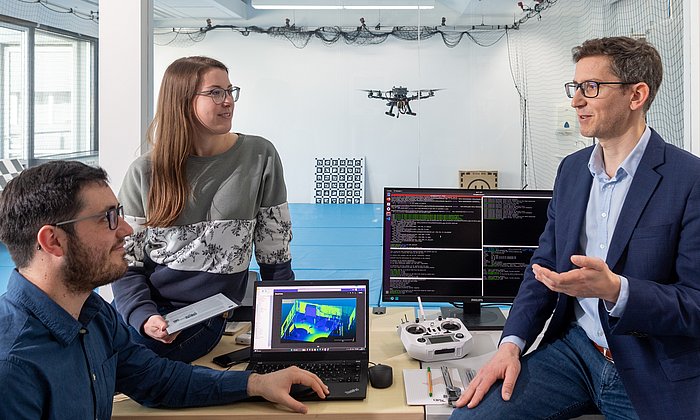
[656,246]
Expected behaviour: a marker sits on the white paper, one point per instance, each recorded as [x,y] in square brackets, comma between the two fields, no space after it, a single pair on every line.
[416,384]
[198,312]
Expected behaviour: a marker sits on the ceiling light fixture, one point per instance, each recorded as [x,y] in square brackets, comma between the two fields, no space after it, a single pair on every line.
[265,6]
[343,4]
[374,6]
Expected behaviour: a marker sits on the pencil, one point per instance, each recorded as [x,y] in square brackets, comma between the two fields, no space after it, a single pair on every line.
[430,383]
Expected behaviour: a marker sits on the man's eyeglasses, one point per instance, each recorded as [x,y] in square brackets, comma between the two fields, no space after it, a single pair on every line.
[218,95]
[589,88]
[112,215]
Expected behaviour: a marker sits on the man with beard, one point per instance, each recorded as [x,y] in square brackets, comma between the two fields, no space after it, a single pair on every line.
[63,350]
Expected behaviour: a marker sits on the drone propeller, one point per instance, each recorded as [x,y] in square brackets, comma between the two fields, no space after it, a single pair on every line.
[377,94]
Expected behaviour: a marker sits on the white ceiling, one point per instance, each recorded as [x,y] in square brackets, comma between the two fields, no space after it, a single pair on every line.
[175,13]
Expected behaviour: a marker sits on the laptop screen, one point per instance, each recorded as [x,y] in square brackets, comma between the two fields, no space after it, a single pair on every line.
[310,316]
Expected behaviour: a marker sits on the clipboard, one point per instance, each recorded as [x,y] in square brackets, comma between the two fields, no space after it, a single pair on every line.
[416,385]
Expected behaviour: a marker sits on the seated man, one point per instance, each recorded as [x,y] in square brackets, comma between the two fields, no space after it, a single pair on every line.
[618,265]
[63,350]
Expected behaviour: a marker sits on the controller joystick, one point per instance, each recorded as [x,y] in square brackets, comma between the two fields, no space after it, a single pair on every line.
[450,326]
[416,329]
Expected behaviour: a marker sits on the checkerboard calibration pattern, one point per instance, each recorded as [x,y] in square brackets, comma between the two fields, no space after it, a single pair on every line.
[339,180]
[9,168]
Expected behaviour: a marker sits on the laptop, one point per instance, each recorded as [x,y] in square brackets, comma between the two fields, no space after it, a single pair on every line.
[318,325]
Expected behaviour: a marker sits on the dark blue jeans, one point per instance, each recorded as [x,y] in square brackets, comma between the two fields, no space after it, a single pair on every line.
[561,380]
[191,344]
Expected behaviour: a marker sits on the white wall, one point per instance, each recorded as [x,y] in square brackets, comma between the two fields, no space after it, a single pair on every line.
[542,52]
[125,84]
[125,88]
[308,102]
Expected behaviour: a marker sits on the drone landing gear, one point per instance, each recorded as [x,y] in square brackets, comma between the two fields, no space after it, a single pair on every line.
[405,108]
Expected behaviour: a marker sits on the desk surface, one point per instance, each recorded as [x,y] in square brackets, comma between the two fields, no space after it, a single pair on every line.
[385,404]
[484,348]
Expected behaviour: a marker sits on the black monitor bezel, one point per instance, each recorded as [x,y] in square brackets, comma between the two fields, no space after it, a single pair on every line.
[257,355]
[388,298]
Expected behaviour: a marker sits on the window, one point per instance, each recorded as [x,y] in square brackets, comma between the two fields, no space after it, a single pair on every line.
[48,102]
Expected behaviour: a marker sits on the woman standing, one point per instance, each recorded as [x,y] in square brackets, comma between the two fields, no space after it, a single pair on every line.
[199,203]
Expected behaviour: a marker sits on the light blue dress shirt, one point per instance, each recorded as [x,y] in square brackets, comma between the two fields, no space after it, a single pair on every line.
[604,204]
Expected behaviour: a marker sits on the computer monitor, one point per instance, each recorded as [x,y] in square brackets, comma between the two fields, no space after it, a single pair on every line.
[461,246]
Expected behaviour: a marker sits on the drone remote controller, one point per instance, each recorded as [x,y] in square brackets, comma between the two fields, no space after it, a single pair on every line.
[437,339]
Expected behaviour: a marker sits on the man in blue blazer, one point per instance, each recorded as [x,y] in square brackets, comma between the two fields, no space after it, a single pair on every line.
[617,268]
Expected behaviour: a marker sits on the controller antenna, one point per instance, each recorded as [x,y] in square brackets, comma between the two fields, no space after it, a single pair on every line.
[420,306]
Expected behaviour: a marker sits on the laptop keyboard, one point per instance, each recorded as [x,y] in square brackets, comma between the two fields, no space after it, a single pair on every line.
[347,371]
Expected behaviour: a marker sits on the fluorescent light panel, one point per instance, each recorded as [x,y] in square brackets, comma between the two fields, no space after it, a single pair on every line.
[374,6]
[293,6]
[343,4]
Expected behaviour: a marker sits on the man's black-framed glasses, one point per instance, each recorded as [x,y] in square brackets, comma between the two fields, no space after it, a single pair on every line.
[218,95]
[112,215]
[589,88]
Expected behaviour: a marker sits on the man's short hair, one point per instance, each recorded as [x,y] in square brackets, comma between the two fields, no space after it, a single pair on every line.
[632,60]
[43,195]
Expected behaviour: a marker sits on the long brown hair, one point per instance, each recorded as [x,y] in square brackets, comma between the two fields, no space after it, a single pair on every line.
[170,134]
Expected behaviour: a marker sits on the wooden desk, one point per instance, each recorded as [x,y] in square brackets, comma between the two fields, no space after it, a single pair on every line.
[381,404]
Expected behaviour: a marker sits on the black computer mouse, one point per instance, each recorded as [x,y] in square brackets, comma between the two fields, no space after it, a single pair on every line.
[381,376]
[302,392]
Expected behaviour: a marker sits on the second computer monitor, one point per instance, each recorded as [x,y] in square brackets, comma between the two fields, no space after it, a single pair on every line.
[460,246]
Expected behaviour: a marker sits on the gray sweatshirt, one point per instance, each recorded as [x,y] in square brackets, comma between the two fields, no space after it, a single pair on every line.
[238,200]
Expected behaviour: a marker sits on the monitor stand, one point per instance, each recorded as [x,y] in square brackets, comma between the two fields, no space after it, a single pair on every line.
[475,317]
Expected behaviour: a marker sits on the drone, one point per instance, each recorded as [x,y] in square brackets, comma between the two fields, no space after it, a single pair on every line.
[399,98]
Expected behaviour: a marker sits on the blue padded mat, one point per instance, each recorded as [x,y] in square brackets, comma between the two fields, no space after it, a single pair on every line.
[6,267]
[337,241]
[330,241]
